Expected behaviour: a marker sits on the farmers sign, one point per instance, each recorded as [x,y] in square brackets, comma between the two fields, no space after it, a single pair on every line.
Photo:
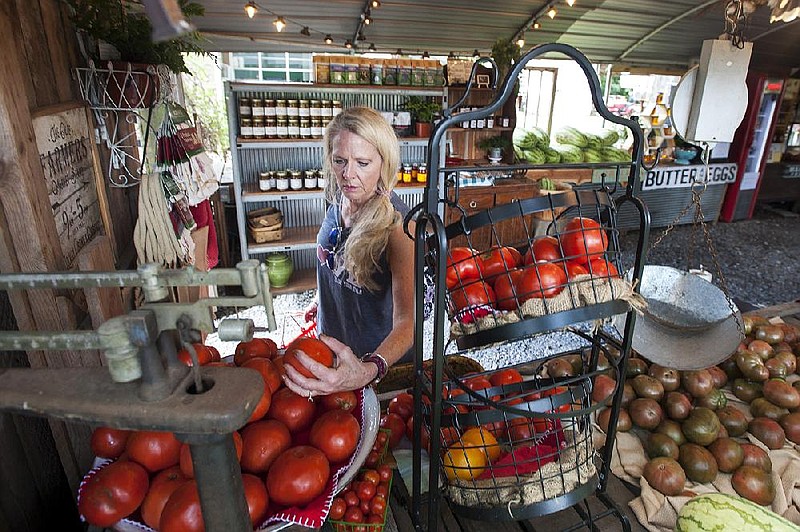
[685,176]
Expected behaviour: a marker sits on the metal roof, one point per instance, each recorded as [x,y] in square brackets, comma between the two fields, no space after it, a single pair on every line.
[638,33]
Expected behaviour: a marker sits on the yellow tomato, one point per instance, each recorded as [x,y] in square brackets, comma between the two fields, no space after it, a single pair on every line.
[464,463]
[483,440]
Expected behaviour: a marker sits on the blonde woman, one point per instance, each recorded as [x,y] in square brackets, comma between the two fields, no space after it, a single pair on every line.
[365,278]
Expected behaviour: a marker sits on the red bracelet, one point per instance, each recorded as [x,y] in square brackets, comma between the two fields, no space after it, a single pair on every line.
[377,359]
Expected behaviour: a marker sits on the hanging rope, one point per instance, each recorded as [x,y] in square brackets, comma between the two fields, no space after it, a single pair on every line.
[735,21]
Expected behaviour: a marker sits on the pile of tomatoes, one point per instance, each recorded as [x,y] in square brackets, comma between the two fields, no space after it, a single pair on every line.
[287,451]
[502,278]
[361,506]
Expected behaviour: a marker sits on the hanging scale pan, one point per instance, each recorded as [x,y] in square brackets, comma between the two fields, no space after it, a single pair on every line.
[687,324]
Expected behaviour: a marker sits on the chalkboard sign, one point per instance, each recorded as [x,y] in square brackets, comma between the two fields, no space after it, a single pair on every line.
[65,150]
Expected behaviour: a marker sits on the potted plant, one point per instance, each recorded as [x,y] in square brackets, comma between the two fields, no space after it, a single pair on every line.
[422,112]
[494,145]
[124,25]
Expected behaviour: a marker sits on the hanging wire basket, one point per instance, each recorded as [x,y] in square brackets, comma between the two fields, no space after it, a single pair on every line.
[119,88]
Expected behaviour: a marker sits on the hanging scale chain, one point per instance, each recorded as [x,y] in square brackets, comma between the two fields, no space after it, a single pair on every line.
[735,20]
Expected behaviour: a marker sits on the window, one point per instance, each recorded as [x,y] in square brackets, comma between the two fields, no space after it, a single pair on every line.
[272,66]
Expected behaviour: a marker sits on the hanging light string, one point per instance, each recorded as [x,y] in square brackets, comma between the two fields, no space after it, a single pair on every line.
[252,9]
[365,19]
[533,23]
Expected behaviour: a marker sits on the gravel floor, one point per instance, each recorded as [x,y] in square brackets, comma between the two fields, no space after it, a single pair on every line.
[759,259]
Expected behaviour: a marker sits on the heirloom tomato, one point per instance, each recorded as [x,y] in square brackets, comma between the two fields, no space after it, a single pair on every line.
[339,401]
[155,450]
[583,239]
[112,493]
[262,442]
[475,294]
[182,511]
[255,348]
[543,279]
[109,443]
[294,411]
[499,260]
[204,355]
[162,487]
[505,289]
[335,433]
[543,249]
[463,265]
[298,476]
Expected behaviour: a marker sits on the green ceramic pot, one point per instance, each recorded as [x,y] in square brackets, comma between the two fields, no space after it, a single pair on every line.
[279,269]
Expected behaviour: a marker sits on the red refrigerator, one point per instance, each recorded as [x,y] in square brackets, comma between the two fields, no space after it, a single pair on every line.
[750,146]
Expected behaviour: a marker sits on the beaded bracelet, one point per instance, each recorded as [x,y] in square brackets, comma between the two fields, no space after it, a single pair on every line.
[380,362]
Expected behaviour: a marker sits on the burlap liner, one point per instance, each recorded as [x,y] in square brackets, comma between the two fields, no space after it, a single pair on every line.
[574,468]
[584,290]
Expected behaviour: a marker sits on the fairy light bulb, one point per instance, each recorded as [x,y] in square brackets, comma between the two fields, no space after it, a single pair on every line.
[348,44]
[376,3]
[536,25]
[520,42]
[328,39]
[279,24]
[251,9]
[552,12]
[570,3]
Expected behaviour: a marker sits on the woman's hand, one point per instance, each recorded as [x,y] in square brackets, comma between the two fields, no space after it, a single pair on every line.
[311,312]
[349,374]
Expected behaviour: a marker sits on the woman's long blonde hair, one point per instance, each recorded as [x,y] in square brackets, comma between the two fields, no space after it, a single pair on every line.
[377,218]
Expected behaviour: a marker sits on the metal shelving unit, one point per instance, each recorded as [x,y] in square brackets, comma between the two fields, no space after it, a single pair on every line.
[303,210]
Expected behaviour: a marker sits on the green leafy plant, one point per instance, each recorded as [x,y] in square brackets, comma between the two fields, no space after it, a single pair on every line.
[421,108]
[505,53]
[123,24]
[496,141]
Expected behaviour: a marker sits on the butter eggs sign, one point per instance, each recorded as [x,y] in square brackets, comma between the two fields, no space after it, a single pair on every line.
[685,176]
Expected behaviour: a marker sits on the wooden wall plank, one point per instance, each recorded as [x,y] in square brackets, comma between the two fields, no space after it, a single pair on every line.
[57,49]
[103,303]
[38,63]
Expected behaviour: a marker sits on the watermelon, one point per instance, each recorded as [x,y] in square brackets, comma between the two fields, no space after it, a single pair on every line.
[729,513]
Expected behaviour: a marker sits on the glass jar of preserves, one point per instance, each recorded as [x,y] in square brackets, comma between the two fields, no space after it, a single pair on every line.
[245,111]
[316,128]
[315,106]
[246,128]
[280,107]
[282,181]
[305,108]
[422,173]
[295,179]
[259,128]
[327,109]
[257,106]
[336,107]
[269,108]
[292,108]
[271,128]
[309,180]
[321,181]
[490,121]
[406,173]
[293,127]
[264,181]
[282,127]
[305,127]
[414,172]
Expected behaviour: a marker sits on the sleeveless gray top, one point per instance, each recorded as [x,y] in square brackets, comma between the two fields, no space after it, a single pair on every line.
[355,316]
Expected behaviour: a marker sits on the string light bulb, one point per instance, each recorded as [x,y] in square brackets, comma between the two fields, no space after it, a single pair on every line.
[361,36]
[348,44]
[536,25]
[376,3]
[476,54]
[328,39]
[305,31]
[399,52]
[372,47]
[367,18]
[552,12]
[451,55]
[251,9]
[280,23]
[570,3]
[426,55]
[520,42]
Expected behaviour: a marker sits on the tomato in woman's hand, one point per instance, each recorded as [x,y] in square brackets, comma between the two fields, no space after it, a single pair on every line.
[268,371]
[475,294]
[338,508]
[155,450]
[335,433]
[583,239]
[346,401]
[204,355]
[313,348]
[543,249]
[255,493]
[294,411]
[499,260]
[463,265]
[505,376]
[396,426]
[255,348]
[602,268]
[506,289]
[543,279]
[298,476]
[113,493]
[162,487]
[109,443]
[262,442]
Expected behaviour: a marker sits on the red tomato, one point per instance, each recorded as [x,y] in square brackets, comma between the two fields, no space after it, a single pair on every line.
[298,476]
[463,265]
[187,466]
[506,288]
[477,383]
[182,511]
[292,410]
[204,355]
[385,472]
[162,486]
[114,492]
[255,348]
[354,515]
[505,376]
[474,294]
[371,475]
[155,450]
[377,505]
[109,443]
[543,279]
[402,405]
[267,370]
[350,498]
[215,356]
[574,269]
[364,490]
[396,426]
[262,407]
[543,249]
[583,239]
[498,260]
[255,493]
[262,442]
[602,268]
[339,401]
[335,433]
[338,508]
[312,347]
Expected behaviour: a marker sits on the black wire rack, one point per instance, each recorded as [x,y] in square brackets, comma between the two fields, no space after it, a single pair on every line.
[535,434]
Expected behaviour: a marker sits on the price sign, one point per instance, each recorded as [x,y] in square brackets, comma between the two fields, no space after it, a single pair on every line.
[63,142]
[684,176]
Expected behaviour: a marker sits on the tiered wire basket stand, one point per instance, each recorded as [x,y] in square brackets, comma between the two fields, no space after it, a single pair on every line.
[542,425]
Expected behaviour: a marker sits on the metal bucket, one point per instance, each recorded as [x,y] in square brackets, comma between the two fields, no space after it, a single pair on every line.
[688,323]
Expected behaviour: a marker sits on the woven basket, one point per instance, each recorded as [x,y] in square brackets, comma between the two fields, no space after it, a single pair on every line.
[266,234]
[266,217]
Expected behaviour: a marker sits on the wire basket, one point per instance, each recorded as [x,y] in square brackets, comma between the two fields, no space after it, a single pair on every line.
[520,448]
[525,283]
[119,86]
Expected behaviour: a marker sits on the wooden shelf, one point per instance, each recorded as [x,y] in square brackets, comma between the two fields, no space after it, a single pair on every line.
[478,129]
[294,238]
[253,144]
[305,88]
[301,281]
[251,194]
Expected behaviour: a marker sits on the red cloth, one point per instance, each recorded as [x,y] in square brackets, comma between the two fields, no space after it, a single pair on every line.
[203,216]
